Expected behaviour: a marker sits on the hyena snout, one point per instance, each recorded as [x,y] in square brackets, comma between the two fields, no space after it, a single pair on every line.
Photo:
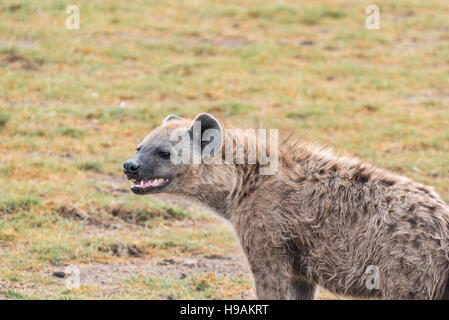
[131,167]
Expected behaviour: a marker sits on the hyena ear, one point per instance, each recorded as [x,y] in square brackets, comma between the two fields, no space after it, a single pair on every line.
[171,118]
[207,134]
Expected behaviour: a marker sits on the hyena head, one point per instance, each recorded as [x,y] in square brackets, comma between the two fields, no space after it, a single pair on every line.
[167,159]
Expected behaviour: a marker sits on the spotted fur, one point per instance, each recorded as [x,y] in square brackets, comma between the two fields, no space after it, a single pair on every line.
[323,219]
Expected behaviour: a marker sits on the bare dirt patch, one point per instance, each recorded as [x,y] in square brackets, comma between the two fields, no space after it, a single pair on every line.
[124,250]
[68,211]
[104,275]
[133,259]
[17,61]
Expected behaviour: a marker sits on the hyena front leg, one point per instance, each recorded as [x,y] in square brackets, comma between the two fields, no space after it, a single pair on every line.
[270,270]
[272,281]
[271,267]
[301,290]
[274,278]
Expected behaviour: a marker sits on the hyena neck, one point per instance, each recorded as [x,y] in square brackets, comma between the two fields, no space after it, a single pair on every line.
[214,187]
[225,187]
[218,201]
[240,187]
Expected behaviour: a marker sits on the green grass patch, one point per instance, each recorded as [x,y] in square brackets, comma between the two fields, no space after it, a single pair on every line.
[14,294]
[89,166]
[303,114]
[4,118]
[176,212]
[71,132]
[17,204]
[232,108]
[312,16]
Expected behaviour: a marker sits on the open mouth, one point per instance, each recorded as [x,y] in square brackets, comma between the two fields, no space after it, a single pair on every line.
[145,186]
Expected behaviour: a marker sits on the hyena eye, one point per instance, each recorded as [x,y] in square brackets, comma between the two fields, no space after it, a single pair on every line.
[164,154]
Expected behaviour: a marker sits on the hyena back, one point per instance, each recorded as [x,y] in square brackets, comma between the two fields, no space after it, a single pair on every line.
[319,220]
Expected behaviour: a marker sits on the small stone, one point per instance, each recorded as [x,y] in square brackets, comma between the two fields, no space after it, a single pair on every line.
[166,261]
[59,274]
[307,43]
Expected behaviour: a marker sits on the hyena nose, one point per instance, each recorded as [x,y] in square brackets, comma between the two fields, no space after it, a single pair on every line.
[131,167]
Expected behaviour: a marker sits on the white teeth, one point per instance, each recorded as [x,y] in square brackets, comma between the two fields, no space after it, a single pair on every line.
[148,183]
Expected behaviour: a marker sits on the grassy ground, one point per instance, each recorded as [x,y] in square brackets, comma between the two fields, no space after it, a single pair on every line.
[75,103]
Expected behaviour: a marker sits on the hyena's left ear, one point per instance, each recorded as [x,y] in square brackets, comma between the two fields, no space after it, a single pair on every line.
[206,133]
[171,118]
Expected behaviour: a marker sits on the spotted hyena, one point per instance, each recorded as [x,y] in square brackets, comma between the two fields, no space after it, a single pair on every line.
[319,219]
